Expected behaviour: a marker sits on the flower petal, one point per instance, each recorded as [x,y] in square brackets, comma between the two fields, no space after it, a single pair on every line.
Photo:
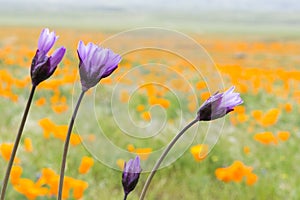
[95,63]
[57,56]
[46,41]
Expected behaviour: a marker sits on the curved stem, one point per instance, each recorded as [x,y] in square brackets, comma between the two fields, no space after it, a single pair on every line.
[125,196]
[66,147]
[164,154]
[16,144]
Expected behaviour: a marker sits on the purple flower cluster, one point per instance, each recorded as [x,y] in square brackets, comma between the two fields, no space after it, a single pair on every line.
[96,63]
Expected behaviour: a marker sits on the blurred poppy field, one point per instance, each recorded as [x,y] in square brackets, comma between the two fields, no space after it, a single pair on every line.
[256,156]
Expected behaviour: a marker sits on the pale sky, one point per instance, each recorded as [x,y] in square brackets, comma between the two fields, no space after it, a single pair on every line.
[169,5]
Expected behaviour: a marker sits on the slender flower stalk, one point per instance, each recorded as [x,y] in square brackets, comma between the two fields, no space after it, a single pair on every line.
[95,63]
[215,107]
[16,144]
[66,146]
[162,157]
[42,67]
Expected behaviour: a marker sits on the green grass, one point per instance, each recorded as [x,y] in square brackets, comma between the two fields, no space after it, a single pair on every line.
[276,166]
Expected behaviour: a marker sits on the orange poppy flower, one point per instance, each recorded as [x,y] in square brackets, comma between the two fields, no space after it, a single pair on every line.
[236,172]
[120,163]
[5,150]
[16,172]
[85,165]
[28,145]
[246,149]
[288,107]
[257,114]
[283,135]
[270,118]
[40,101]
[146,116]
[266,138]
[199,151]
[143,152]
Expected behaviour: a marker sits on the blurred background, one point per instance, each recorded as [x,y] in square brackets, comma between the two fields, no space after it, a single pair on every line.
[253,45]
[276,16]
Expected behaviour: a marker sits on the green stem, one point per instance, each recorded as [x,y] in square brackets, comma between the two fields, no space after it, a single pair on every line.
[16,144]
[66,147]
[164,154]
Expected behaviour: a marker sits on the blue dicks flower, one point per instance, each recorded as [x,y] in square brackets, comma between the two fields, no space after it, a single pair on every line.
[95,63]
[219,105]
[131,174]
[42,66]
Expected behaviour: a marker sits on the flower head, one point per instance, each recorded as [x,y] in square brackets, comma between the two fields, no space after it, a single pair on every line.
[131,174]
[95,63]
[219,105]
[42,66]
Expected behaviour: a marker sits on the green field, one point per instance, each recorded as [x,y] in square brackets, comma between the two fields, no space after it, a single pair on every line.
[269,47]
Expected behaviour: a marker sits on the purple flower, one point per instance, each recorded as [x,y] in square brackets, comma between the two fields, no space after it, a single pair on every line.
[95,63]
[219,105]
[131,174]
[42,66]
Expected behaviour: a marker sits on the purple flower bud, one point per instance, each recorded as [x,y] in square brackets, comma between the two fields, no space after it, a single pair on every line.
[95,63]
[42,66]
[131,174]
[219,105]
